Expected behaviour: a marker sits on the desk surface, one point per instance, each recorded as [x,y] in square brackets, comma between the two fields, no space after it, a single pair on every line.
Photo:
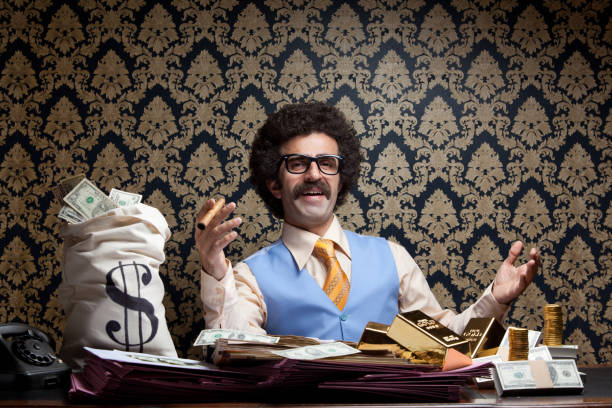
[597,393]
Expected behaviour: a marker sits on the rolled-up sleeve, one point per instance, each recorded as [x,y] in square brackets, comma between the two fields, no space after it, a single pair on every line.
[415,294]
[234,302]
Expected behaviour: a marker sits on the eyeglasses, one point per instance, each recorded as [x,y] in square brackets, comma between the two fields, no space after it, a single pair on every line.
[329,164]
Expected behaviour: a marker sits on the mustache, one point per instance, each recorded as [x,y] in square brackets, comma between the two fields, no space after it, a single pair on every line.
[309,185]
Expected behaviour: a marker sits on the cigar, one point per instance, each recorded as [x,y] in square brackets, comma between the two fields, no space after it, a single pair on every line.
[203,223]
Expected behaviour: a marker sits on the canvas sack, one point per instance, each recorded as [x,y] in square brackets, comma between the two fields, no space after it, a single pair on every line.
[111,290]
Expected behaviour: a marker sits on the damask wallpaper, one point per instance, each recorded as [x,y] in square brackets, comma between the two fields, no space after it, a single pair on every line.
[481,122]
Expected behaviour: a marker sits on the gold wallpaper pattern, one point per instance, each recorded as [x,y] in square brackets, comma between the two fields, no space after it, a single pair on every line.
[481,122]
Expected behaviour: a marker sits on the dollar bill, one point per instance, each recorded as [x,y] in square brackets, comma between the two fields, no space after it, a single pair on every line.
[70,215]
[123,198]
[515,375]
[563,351]
[488,359]
[88,200]
[317,351]
[209,336]
[518,375]
[564,374]
[539,353]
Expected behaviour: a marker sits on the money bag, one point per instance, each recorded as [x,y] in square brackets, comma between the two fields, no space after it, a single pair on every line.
[111,290]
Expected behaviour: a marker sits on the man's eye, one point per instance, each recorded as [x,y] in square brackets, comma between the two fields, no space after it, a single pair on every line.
[327,162]
[298,163]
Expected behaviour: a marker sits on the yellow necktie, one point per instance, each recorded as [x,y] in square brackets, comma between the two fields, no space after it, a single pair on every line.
[337,284]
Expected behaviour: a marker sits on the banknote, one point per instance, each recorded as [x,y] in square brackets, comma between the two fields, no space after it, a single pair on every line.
[88,200]
[564,351]
[518,375]
[539,353]
[515,375]
[487,359]
[317,351]
[123,198]
[70,215]
[209,336]
[564,374]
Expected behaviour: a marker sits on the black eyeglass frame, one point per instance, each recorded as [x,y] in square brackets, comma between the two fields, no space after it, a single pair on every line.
[310,160]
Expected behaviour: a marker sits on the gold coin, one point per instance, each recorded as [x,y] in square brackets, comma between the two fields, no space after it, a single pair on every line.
[518,340]
[553,325]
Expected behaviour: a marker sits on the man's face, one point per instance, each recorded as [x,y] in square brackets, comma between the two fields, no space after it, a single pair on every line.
[309,198]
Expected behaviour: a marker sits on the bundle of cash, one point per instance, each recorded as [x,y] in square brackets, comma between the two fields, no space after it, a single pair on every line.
[317,351]
[537,377]
[240,353]
[535,353]
[208,337]
[234,347]
[84,201]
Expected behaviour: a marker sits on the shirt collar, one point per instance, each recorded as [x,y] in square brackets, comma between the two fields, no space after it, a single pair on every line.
[301,242]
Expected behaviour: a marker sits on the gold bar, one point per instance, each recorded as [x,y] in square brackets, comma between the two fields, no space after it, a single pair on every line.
[375,333]
[374,339]
[484,334]
[420,333]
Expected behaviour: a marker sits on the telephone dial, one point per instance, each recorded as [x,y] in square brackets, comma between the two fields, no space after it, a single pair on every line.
[27,359]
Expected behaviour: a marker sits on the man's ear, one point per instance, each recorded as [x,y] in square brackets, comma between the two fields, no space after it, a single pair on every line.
[274,187]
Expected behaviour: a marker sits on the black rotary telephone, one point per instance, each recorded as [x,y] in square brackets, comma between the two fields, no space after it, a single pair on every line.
[27,359]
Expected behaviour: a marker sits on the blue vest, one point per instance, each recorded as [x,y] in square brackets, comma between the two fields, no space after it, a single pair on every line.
[297,305]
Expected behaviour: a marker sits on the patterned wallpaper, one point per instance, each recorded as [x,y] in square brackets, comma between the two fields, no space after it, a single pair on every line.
[481,122]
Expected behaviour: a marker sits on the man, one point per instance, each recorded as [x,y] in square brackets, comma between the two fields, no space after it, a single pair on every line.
[304,161]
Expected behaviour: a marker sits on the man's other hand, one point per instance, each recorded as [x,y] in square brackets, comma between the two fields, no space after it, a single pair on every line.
[211,241]
[511,281]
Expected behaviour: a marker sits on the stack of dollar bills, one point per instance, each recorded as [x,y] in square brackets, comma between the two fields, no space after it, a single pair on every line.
[529,377]
[83,200]
[515,377]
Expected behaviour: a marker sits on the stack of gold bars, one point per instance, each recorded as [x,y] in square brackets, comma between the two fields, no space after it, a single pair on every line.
[418,338]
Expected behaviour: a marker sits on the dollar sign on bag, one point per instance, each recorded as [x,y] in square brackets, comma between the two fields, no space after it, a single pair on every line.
[136,303]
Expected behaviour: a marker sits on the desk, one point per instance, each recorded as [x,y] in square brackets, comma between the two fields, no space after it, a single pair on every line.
[597,393]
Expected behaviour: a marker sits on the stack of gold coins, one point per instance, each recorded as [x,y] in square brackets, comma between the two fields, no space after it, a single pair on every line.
[518,340]
[553,325]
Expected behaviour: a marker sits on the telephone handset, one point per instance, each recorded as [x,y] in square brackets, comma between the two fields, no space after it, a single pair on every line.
[27,359]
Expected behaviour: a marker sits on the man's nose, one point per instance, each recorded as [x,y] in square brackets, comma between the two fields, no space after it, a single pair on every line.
[313,172]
